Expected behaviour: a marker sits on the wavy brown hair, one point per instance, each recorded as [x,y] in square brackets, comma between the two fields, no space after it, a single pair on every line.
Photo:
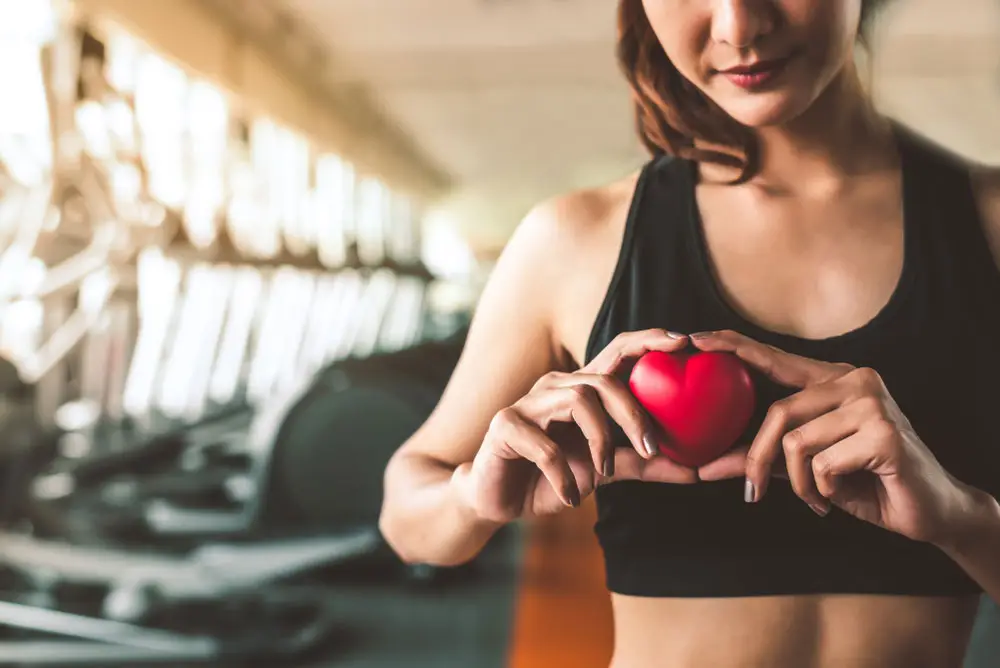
[671,113]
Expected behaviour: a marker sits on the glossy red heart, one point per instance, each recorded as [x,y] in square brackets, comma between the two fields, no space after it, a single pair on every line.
[703,401]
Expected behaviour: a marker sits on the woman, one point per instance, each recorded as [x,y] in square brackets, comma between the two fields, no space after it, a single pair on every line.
[846,261]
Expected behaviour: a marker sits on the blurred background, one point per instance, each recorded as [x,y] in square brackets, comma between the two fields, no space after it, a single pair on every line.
[240,242]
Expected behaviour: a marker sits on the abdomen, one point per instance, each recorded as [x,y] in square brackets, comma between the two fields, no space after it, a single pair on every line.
[820,631]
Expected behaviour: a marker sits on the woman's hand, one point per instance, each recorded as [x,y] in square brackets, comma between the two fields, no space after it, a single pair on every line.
[553,447]
[844,440]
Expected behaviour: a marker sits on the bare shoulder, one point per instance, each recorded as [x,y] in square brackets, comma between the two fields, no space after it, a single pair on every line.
[562,234]
[986,181]
[578,235]
[576,218]
[560,242]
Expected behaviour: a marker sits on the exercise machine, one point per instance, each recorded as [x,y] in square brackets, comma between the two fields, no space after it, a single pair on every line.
[94,254]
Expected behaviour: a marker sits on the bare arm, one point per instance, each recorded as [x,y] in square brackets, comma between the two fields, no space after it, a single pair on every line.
[509,347]
[977,549]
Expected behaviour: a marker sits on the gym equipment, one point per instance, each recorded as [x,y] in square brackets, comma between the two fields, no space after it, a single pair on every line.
[377,298]
[140,583]
[273,350]
[170,373]
[80,237]
[69,475]
[228,478]
[404,318]
[271,626]
[226,377]
[188,363]
[176,350]
[351,284]
[25,446]
[216,580]
[89,258]
[704,401]
[346,425]
[158,297]
[325,314]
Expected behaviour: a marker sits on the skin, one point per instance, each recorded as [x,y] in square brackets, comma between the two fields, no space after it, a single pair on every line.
[824,217]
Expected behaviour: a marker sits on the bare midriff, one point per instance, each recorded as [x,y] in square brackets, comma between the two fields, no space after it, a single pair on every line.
[829,631]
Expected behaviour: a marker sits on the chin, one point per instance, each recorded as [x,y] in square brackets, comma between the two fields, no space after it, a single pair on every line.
[764,111]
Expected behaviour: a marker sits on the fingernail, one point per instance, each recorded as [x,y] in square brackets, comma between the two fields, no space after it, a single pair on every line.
[609,466]
[573,496]
[675,335]
[647,442]
[819,510]
[748,491]
[701,335]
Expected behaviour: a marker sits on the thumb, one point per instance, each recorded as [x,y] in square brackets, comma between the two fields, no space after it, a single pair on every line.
[629,465]
[622,353]
[733,464]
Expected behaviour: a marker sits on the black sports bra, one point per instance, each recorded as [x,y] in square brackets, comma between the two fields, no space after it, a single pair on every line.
[936,344]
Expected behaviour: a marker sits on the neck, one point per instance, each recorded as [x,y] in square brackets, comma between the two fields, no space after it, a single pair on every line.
[839,136]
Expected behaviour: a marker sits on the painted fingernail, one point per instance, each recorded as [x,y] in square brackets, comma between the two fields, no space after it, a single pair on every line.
[573,496]
[822,511]
[650,445]
[701,335]
[609,465]
[749,493]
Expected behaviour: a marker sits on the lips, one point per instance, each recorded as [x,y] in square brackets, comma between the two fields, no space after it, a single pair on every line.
[755,75]
[759,67]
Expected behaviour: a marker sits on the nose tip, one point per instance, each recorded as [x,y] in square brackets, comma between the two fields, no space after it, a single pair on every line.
[741,23]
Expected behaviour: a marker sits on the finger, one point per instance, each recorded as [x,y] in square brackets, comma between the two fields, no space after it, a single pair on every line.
[813,437]
[622,407]
[781,367]
[579,404]
[528,441]
[858,452]
[630,466]
[591,419]
[632,345]
[733,464]
[783,416]
[802,444]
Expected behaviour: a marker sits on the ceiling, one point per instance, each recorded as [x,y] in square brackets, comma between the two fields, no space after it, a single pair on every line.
[518,99]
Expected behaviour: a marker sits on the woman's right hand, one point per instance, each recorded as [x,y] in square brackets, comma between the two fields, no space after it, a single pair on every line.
[553,447]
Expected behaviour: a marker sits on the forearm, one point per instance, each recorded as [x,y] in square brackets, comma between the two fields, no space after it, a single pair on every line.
[424,518]
[976,546]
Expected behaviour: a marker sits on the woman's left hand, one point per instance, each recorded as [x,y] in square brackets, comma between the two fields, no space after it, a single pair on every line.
[845,442]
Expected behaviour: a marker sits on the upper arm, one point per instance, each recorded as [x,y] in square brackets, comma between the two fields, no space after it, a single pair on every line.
[987,184]
[510,343]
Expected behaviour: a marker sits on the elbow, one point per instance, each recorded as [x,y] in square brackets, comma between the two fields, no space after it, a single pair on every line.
[415,521]
[399,535]
[399,531]
[390,525]
[394,537]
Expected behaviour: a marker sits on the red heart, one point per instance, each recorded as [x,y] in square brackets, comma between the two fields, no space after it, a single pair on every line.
[703,401]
